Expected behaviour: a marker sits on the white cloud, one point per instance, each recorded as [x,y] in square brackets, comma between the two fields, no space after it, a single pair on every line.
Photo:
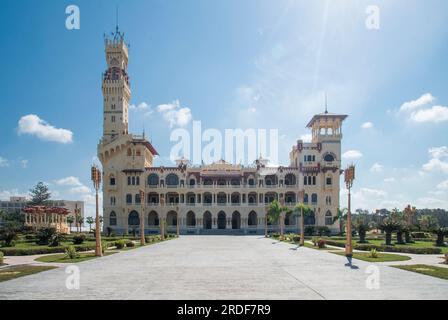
[443,185]
[438,152]
[69,181]
[376,168]
[252,110]
[437,162]
[306,137]
[435,114]
[80,189]
[415,104]
[4,162]
[6,194]
[389,179]
[141,106]
[24,163]
[367,125]
[352,154]
[33,125]
[174,114]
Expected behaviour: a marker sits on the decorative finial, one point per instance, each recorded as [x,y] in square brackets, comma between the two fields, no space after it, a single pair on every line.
[326,106]
[116,12]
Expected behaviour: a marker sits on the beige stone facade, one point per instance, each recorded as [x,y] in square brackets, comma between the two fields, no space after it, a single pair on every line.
[213,198]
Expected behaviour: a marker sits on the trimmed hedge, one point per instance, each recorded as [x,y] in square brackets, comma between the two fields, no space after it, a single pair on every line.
[384,248]
[1,258]
[43,250]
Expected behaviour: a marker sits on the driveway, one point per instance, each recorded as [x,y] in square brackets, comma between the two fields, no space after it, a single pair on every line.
[226,267]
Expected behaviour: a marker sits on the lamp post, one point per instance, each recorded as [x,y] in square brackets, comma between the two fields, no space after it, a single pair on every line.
[302,219]
[142,217]
[96,179]
[177,221]
[349,176]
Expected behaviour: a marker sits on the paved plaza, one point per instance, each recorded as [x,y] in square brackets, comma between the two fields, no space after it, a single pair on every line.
[224,267]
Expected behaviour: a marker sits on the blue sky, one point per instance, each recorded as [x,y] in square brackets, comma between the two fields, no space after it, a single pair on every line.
[232,64]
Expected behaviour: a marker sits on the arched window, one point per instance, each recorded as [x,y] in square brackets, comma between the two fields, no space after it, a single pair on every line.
[208,182]
[328,181]
[113,219]
[192,182]
[153,180]
[310,219]
[329,157]
[305,198]
[129,198]
[133,219]
[171,218]
[191,219]
[328,218]
[129,181]
[290,179]
[172,180]
[252,221]
[153,219]
[251,182]
[111,180]
[314,198]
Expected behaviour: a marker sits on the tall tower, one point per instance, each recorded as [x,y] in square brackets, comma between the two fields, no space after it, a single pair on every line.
[116,88]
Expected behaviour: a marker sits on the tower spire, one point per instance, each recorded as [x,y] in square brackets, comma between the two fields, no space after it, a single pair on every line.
[326,106]
[116,18]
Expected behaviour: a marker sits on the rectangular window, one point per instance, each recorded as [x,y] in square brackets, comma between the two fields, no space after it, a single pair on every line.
[314,180]
[305,182]
[328,181]
[113,118]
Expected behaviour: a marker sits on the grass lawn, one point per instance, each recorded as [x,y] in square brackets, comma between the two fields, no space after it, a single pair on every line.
[62,258]
[382,257]
[310,245]
[21,271]
[417,244]
[433,271]
[34,245]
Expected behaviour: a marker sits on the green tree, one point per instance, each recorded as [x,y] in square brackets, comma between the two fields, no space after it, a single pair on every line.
[40,194]
[8,233]
[361,223]
[400,220]
[389,225]
[90,221]
[79,222]
[70,220]
[341,215]
[302,210]
[275,214]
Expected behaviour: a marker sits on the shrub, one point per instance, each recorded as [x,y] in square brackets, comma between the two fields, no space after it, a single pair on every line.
[79,238]
[44,235]
[104,246]
[322,231]
[71,253]
[295,238]
[321,244]
[56,239]
[43,250]
[130,244]
[309,230]
[373,253]
[275,235]
[315,240]
[384,248]
[446,258]
[420,235]
[120,244]
[1,258]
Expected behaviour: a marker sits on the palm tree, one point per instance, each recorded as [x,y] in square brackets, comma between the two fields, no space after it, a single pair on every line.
[400,219]
[389,225]
[361,225]
[302,210]
[275,214]
[70,220]
[341,216]
[431,224]
[90,221]
[79,222]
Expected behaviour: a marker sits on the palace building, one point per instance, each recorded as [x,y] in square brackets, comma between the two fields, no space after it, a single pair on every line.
[217,198]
